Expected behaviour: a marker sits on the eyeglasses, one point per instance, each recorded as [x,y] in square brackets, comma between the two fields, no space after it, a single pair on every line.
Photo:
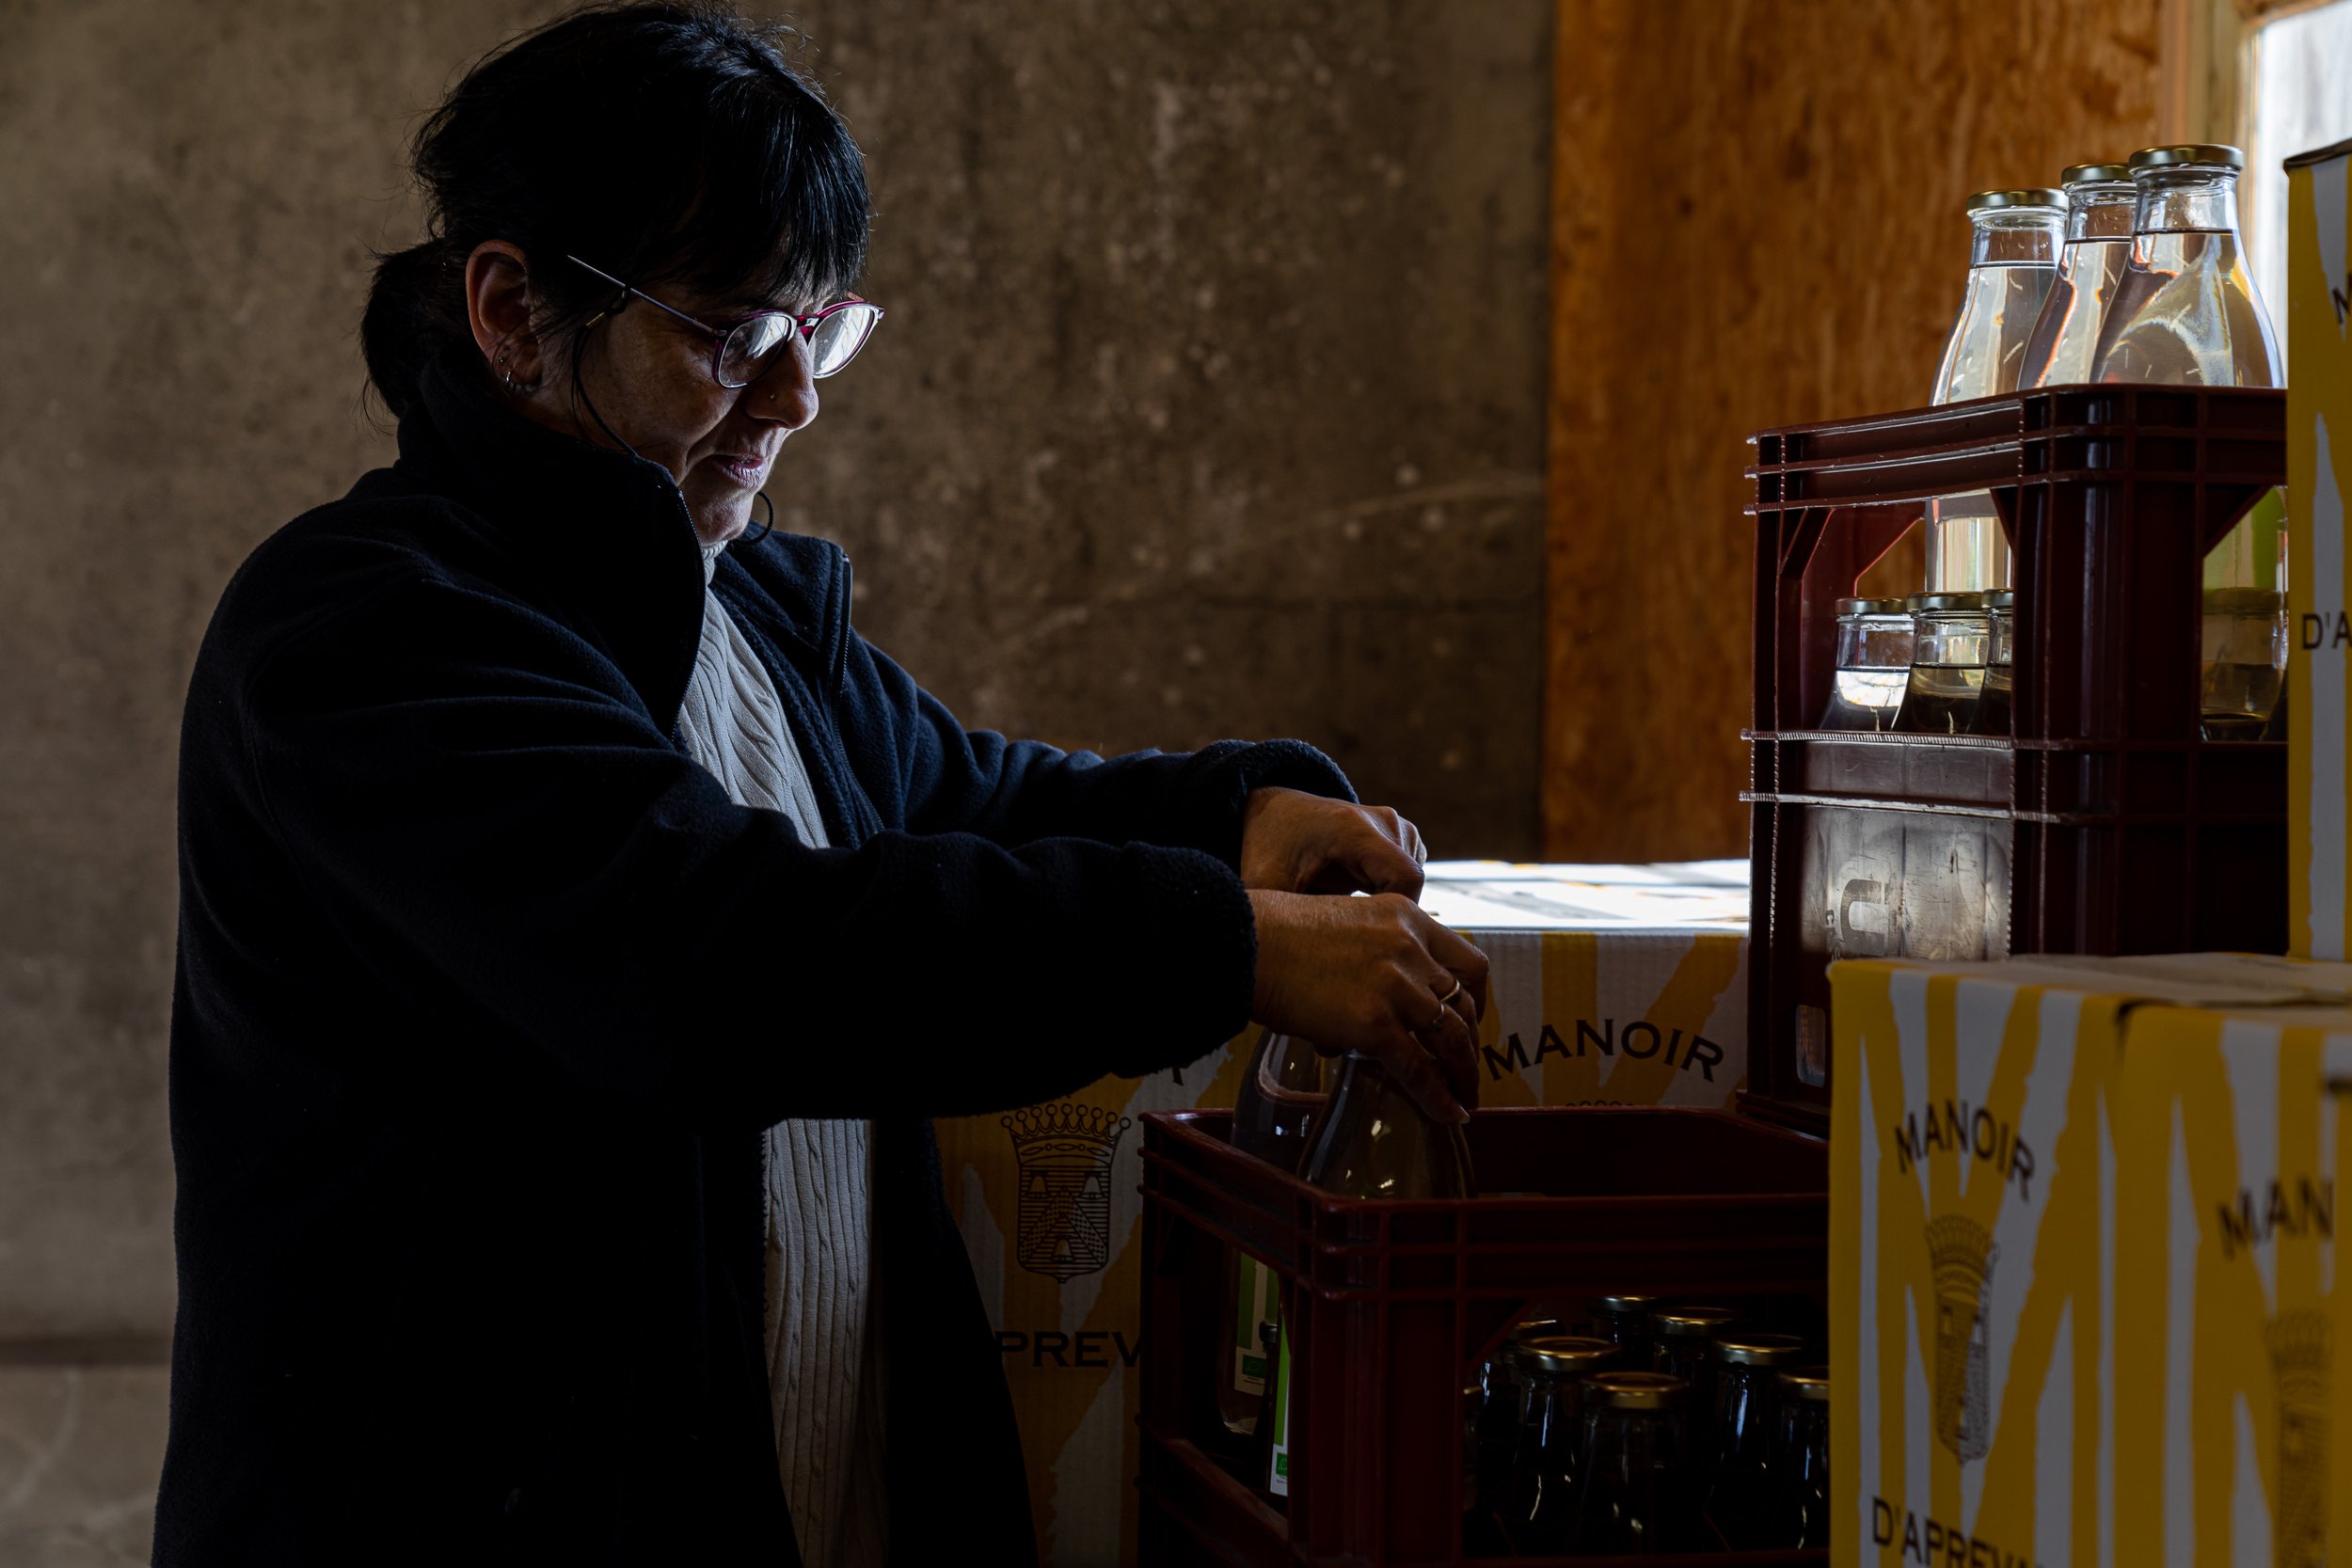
[743,351]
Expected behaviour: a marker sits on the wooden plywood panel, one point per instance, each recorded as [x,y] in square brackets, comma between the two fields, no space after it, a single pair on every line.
[1756,219]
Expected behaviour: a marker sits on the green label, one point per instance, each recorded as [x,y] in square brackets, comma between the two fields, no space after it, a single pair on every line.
[1253,1303]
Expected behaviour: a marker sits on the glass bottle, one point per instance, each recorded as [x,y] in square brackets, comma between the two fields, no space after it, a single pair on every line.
[1281,1094]
[2187,314]
[2000,664]
[1625,1321]
[2100,204]
[1801,1460]
[2012,262]
[1873,664]
[1497,1403]
[1539,1499]
[1741,1502]
[1682,1344]
[1633,1498]
[1949,638]
[1375,1142]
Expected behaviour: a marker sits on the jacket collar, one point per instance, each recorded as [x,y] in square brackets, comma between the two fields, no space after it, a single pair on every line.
[612,536]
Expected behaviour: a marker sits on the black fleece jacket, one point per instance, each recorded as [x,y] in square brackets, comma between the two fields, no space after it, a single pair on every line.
[485,992]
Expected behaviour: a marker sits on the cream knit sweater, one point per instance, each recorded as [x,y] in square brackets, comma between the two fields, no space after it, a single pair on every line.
[824,1343]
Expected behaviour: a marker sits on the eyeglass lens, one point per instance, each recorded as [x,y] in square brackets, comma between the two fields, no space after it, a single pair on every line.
[750,347]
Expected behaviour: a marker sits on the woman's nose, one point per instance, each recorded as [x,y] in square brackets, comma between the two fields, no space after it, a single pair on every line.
[787,395]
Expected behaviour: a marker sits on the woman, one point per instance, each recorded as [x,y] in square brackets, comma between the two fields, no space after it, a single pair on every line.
[579,919]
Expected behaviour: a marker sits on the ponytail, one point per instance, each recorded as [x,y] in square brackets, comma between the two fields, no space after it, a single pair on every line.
[415,306]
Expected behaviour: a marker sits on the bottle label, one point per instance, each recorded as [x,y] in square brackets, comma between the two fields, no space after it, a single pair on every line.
[1253,1305]
[1279,1409]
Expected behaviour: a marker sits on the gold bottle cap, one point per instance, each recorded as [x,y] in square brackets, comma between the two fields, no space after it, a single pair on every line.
[1945,601]
[1567,1355]
[2089,174]
[2211,153]
[1690,1321]
[1870,607]
[1759,1349]
[1627,1304]
[1638,1390]
[1806,1383]
[1984,202]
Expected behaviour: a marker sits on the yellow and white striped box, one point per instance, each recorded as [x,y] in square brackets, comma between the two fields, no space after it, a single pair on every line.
[2082,1270]
[1624,983]
[2319,576]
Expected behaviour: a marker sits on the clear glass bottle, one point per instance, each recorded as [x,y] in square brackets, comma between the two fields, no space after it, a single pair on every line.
[2187,314]
[1682,1344]
[2013,261]
[2245,657]
[1873,664]
[1950,640]
[2000,664]
[1625,1321]
[1375,1142]
[2101,202]
[1497,1404]
[1801,1460]
[1538,1502]
[1742,1500]
[1281,1094]
[1633,1498]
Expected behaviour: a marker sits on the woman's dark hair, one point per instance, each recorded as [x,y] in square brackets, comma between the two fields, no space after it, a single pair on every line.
[663,143]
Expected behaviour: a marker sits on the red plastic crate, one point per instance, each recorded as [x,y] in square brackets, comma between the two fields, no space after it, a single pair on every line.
[2104,824]
[1392,1307]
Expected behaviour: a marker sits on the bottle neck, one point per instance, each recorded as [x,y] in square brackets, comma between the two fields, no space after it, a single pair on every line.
[2101,210]
[2181,201]
[2016,237]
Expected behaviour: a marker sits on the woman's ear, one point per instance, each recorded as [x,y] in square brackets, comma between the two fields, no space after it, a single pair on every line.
[498,308]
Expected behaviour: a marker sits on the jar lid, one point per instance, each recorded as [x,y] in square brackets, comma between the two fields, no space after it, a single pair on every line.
[1627,1304]
[2211,153]
[1638,1390]
[1984,202]
[2244,601]
[1870,607]
[1568,1355]
[2001,598]
[1689,1321]
[1945,601]
[1759,1349]
[1537,1328]
[2086,174]
[1806,1383]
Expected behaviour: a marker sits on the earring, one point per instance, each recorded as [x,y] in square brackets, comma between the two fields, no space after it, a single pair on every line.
[767,526]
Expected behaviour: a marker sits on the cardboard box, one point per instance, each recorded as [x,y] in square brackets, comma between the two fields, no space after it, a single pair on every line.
[2083,1295]
[1624,983]
[2319,590]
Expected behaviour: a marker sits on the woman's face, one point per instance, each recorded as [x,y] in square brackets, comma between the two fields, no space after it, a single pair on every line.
[648,374]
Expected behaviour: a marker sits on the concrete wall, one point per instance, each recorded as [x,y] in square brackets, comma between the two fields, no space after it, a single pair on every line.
[1210,403]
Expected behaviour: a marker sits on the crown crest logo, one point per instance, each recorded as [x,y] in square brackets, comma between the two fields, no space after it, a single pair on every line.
[2299,1346]
[1063,1152]
[1962,1254]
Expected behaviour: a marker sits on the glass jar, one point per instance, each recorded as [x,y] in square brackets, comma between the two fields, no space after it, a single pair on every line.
[1274,1112]
[2101,202]
[2000,662]
[2012,262]
[1741,1502]
[1801,1460]
[1634,1496]
[1497,1403]
[1539,1499]
[1873,664]
[1950,633]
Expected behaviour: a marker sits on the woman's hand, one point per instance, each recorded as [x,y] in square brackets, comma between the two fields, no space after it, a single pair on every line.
[1293,842]
[1377,975]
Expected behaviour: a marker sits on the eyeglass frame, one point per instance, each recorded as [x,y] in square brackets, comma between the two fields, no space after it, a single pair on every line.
[806,326]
